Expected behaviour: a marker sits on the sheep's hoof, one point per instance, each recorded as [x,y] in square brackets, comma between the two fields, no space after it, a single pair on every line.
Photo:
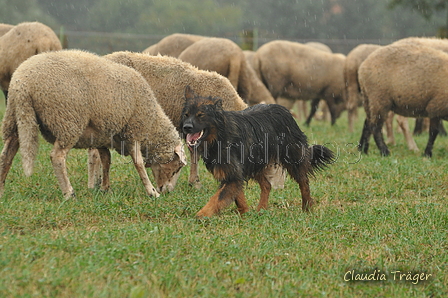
[385,152]
[70,196]
[196,184]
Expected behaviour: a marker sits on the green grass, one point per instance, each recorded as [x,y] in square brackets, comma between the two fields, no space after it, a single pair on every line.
[388,214]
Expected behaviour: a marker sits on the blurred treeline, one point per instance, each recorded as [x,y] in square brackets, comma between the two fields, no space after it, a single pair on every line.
[107,25]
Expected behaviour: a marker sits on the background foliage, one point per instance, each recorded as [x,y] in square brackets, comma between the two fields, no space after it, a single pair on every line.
[150,20]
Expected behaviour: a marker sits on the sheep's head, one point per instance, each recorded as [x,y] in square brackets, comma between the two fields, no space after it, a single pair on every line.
[167,173]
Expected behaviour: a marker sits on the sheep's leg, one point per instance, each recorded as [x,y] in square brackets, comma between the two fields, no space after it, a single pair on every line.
[265,187]
[332,109]
[226,194]
[137,158]
[94,166]
[434,125]
[378,136]
[58,157]
[390,128]
[404,125]
[352,110]
[105,162]
[314,106]
[276,175]
[9,151]
[365,136]
[326,115]
[418,129]
[193,179]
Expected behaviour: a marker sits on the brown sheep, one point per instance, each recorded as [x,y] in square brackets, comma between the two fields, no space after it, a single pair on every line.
[80,100]
[168,78]
[296,71]
[226,58]
[20,43]
[408,79]
[172,45]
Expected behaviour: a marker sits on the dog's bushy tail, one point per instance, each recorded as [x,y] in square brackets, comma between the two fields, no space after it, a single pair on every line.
[321,157]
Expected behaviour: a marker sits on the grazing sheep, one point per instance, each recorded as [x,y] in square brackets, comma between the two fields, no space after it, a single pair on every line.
[80,100]
[226,58]
[172,45]
[20,43]
[296,71]
[408,79]
[168,78]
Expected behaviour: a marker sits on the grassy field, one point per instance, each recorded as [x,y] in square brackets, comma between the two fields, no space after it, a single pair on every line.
[381,218]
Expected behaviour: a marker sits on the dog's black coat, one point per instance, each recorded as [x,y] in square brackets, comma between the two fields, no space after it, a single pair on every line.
[237,145]
[246,141]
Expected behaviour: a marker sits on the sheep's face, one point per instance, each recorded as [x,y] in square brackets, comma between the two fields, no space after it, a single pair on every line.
[166,174]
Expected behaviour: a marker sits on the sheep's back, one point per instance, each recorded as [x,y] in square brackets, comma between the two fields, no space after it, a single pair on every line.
[282,62]
[405,77]
[168,77]
[71,90]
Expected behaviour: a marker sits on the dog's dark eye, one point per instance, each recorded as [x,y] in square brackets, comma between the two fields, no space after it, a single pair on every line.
[186,115]
[200,114]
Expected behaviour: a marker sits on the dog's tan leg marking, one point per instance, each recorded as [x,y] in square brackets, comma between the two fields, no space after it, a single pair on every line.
[307,201]
[225,195]
[94,165]
[9,151]
[193,179]
[265,187]
[240,201]
[58,157]
[105,161]
[137,157]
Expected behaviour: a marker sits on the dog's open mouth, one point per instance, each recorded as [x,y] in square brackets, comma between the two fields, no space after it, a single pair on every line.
[193,139]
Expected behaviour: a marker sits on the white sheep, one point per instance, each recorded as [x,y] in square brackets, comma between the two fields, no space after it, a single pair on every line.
[80,100]
[21,42]
[408,79]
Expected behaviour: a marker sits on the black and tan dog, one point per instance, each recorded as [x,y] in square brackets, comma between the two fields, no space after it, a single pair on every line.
[237,146]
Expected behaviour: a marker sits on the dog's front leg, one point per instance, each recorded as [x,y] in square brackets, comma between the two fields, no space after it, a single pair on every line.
[226,194]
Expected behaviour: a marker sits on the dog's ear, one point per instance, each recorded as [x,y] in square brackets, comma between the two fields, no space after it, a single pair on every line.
[218,103]
[189,93]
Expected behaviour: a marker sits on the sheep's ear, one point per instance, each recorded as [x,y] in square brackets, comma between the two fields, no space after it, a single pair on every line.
[189,93]
[218,103]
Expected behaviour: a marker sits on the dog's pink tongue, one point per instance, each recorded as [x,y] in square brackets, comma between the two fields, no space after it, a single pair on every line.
[193,137]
